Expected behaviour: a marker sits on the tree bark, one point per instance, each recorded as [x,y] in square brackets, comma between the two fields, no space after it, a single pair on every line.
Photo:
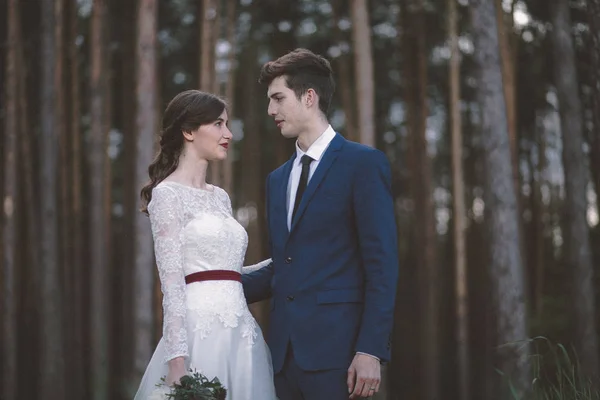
[230,88]
[594,21]
[76,211]
[459,208]
[99,328]
[540,236]
[507,55]
[422,195]
[52,383]
[363,71]
[207,51]
[62,183]
[501,210]
[577,242]
[61,129]
[344,72]
[146,128]
[208,34]
[9,204]
[32,221]
[130,203]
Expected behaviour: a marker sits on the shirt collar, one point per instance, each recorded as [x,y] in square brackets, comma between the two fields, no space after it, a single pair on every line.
[316,150]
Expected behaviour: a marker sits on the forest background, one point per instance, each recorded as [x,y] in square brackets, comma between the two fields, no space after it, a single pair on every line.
[488,110]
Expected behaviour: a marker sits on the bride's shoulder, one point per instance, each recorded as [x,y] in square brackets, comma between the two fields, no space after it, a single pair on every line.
[220,191]
[164,188]
[222,194]
[163,193]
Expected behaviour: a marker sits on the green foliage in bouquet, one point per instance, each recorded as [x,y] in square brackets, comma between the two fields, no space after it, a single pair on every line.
[196,387]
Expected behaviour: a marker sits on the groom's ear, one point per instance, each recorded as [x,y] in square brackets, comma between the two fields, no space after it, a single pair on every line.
[310,98]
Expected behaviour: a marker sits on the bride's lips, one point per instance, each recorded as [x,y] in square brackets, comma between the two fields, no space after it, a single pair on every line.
[224,145]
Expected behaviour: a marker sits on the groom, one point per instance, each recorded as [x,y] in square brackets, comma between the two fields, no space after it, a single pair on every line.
[333,241]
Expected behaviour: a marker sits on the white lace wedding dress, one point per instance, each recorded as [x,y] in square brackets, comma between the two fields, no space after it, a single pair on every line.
[208,323]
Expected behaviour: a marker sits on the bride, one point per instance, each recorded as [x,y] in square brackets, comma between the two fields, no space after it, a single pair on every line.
[200,249]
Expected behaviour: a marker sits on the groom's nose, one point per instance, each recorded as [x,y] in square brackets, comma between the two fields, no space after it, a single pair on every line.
[271,109]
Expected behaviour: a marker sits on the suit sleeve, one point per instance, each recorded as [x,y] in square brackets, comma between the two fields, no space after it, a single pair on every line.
[257,284]
[377,235]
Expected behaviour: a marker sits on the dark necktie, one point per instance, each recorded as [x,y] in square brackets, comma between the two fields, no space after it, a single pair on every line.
[306,160]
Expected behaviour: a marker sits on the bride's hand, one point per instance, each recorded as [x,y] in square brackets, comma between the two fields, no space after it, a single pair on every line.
[176,371]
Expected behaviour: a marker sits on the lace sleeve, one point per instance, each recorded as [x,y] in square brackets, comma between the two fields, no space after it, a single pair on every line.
[166,218]
[255,267]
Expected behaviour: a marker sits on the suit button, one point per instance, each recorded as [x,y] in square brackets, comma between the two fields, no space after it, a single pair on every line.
[288,260]
[290,298]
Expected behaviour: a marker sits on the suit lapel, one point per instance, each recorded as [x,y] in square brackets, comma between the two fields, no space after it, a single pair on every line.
[281,194]
[326,162]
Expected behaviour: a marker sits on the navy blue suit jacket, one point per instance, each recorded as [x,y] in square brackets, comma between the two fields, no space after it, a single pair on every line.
[333,279]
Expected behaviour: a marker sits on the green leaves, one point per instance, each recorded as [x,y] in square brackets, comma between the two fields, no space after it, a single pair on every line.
[197,387]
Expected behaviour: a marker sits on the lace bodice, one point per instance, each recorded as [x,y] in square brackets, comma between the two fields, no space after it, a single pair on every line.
[194,230]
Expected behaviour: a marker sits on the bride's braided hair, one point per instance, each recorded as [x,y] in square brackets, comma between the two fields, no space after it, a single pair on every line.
[185,113]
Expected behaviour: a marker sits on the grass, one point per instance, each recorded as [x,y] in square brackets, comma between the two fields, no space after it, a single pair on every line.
[556,374]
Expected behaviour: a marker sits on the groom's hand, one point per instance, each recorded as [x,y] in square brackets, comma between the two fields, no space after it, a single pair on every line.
[364,376]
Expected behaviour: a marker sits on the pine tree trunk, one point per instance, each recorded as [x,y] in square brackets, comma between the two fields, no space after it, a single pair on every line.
[146,127]
[363,71]
[230,88]
[62,184]
[9,208]
[344,73]
[459,208]
[52,383]
[130,204]
[422,195]
[501,218]
[208,33]
[98,245]
[540,238]
[32,217]
[507,55]
[207,51]
[61,129]
[76,211]
[577,242]
[594,21]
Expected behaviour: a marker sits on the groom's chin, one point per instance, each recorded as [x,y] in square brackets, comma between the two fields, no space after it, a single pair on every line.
[288,135]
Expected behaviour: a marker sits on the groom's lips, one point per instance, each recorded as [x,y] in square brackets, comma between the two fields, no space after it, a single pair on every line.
[279,122]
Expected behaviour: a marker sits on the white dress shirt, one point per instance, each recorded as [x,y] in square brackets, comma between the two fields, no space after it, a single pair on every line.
[315,151]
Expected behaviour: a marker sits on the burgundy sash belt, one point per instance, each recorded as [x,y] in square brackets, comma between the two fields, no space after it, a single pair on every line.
[215,275]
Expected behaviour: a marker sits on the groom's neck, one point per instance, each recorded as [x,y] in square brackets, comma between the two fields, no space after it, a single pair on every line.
[312,133]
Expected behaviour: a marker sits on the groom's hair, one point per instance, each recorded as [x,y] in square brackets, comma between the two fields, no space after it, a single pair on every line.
[303,70]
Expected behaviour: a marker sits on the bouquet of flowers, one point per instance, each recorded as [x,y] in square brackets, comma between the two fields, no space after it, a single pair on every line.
[190,387]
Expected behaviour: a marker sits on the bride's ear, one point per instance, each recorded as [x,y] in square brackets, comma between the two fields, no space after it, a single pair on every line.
[188,136]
